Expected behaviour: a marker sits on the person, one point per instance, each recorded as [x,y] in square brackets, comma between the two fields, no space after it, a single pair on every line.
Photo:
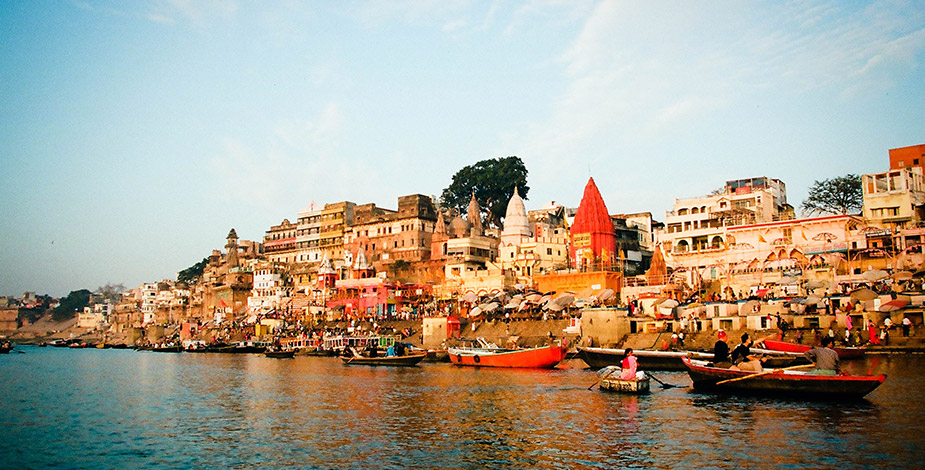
[888,323]
[390,351]
[907,325]
[847,336]
[721,352]
[885,336]
[872,333]
[848,323]
[399,349]
[629,366]
[742,358]
[824,358]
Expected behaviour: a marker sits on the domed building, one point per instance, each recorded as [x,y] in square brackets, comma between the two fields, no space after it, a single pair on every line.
[532,243]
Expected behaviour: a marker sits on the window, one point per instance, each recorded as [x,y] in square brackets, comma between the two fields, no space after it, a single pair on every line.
[915,161]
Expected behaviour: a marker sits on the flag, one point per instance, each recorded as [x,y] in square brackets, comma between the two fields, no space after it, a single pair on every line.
[223,303]
[761,239]
[804,236]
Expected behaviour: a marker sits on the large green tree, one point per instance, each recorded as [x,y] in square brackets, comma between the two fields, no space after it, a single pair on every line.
[70,305]
[493,181]
[840,195]
[192,274]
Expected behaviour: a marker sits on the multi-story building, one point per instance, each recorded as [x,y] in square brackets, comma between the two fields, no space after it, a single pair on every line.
[388,236]
[272,288]
[280,242]
[634,241]
[697,226]
[321,231]
[894,199]
[534,242]
[906,157]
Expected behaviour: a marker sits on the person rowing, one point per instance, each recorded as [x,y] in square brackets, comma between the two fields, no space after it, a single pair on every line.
[824,358]
[742,358]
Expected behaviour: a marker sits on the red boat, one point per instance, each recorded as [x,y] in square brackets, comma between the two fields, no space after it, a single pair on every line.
[546,357]
[843,353]
[779,382]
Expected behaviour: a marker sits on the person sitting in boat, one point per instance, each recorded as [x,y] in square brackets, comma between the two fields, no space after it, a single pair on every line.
[824,357]
[742,358]
[721,352]
[399,349]
[390,351]
[629,365]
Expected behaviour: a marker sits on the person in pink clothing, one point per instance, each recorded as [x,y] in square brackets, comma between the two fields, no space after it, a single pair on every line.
[628,365]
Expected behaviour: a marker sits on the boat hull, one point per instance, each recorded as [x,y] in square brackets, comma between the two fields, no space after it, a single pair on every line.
[546,357]
[394,361]
[599,358]
[280,354]
[843,353]
[636,387]
[782,383]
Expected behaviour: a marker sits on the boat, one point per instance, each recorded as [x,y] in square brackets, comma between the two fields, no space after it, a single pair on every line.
[843,353]
[172,348]
[779,382]
[406,360]
[667,360]
[280,354]
[490,355]
[635,386]
[5,348]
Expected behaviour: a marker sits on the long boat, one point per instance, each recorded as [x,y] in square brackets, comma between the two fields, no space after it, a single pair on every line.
[284,354]
[661,360]
[843,353]
[407,360]
[545,357]
[780,382]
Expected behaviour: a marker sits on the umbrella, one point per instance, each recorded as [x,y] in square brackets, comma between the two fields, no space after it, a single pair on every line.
[748,307]
[605,294]
[564,299]
[666,303]
[512,305]
[555,307]
[875,275]
[811,300]
[902,275]
[475,312]
[694,305]
[815,284]
[864,294]
[893,305]
[470,297]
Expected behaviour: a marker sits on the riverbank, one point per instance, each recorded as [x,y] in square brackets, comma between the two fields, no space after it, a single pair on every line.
[523,333]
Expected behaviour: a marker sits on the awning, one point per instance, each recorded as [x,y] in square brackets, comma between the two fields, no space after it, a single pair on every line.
[761,292]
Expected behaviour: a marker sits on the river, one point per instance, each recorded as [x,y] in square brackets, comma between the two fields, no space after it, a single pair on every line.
[119,409]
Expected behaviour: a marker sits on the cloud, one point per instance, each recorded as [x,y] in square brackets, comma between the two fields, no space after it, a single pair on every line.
[196,12]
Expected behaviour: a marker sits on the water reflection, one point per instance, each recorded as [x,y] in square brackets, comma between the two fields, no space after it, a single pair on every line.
[126,409]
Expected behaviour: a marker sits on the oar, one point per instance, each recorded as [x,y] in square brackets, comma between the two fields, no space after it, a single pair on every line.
[767,372]
[602,378]
[664,385]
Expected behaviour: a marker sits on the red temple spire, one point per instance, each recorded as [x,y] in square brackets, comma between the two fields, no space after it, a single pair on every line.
[593,238]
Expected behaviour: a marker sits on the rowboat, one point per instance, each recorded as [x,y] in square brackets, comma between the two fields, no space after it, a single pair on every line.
[843,353]
[545,357]
[662,360]
[779,382]
[280,354]
[635,386]
[407,360]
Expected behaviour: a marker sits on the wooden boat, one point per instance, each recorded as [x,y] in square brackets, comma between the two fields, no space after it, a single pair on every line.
[799,384]
[843,353]
[166,349]
[280,354]
[615,384]
[545,357]
[667,360]
[5,348]
[407,360]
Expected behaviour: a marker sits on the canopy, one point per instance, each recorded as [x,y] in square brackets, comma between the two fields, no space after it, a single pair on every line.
[666,303]
[902,275]
[470,297]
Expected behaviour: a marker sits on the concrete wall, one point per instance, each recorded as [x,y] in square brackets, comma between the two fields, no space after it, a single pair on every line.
[604,326]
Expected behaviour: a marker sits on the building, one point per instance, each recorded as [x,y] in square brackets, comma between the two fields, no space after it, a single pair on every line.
[906,157]
[389,236]
[532,243]
[321,232]
[279,242]
[593,240]
[695,229]
[894,199]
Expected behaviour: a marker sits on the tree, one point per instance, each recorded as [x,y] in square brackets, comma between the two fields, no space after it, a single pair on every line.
[192,274]
[493,181]
[70,305]
[111,291]
[840,195]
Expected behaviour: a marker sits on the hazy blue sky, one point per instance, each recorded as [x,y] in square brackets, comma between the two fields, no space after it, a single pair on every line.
[134,135]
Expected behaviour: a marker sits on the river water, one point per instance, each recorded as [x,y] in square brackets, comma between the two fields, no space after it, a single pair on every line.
[124,409]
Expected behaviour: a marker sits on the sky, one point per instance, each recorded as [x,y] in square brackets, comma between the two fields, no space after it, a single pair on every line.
[135,135]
